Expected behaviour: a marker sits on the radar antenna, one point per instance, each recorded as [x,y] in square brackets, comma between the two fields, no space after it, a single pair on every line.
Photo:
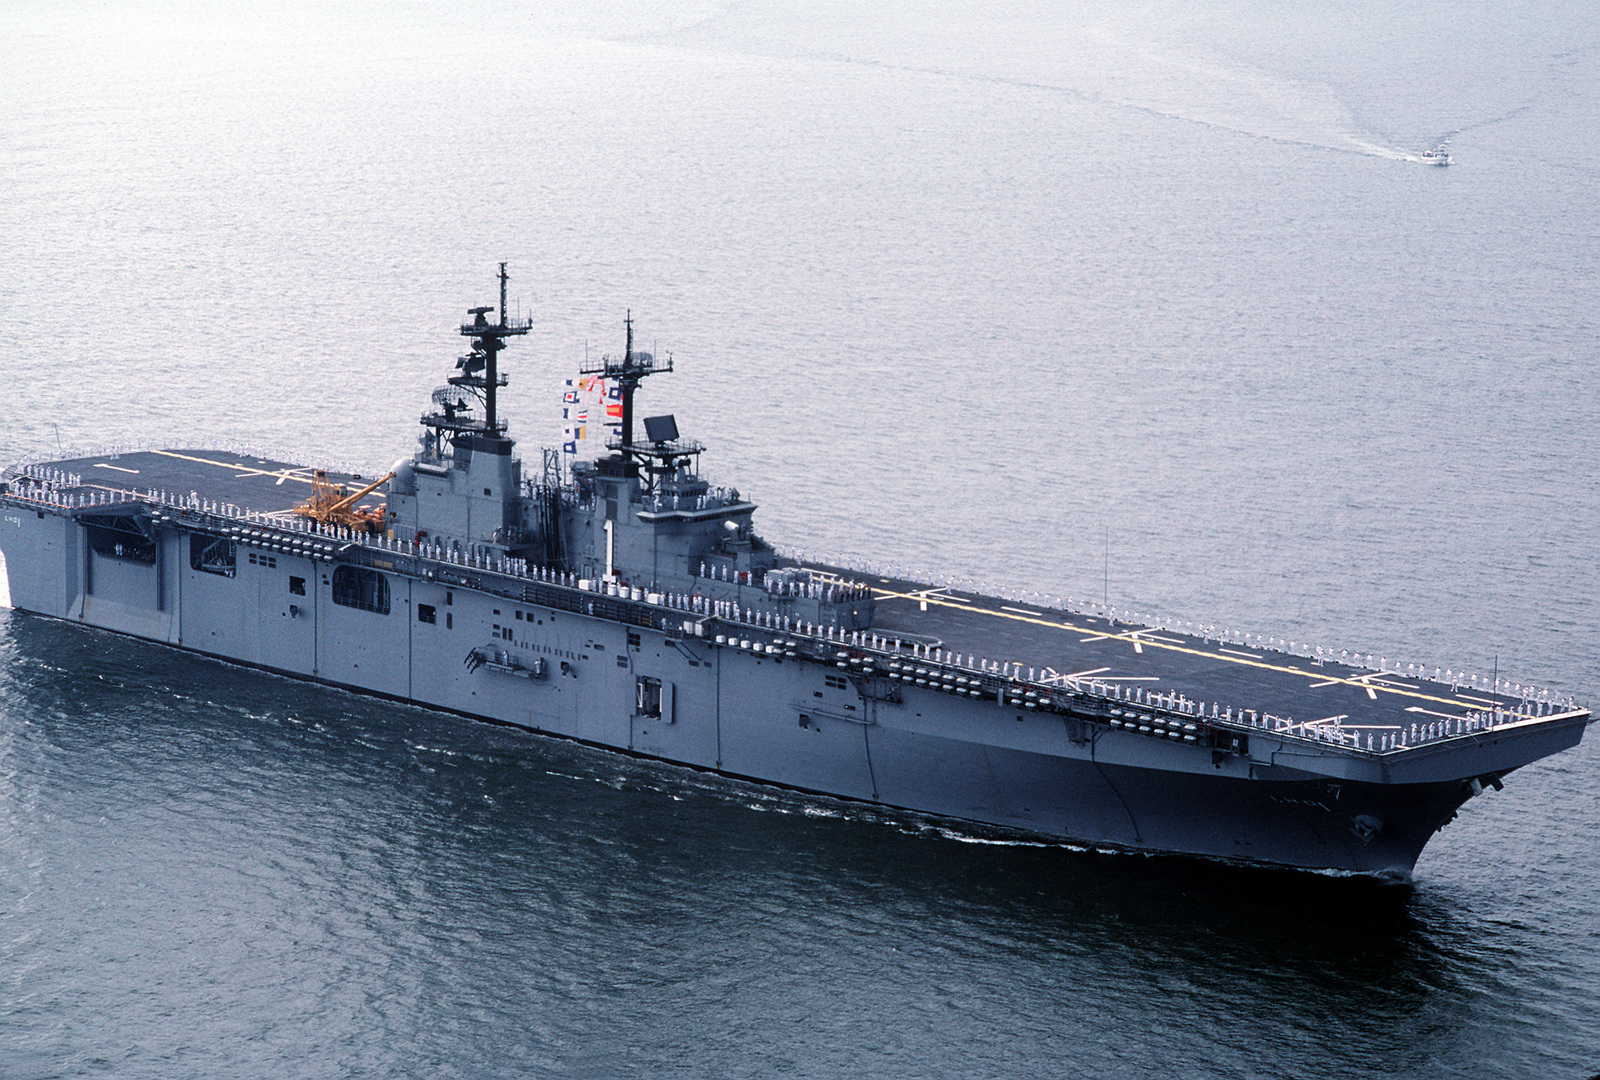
[479,374]
[627,373]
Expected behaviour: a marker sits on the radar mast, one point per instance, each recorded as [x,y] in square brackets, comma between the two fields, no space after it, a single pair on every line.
[478,375]
[627,373]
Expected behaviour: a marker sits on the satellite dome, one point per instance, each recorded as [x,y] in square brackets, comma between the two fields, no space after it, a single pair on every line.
[405,478]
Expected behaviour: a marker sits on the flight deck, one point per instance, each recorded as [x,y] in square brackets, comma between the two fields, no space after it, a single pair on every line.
[625,602]
[1226,678]
[253,483]
[1298,689]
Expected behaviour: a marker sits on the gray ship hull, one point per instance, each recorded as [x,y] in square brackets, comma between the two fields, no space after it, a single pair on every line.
[628,603]
[511,648]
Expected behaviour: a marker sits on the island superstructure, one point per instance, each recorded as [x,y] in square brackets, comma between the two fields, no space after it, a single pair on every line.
[628,603]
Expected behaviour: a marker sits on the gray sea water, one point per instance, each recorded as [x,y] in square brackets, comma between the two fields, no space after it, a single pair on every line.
[1149,302]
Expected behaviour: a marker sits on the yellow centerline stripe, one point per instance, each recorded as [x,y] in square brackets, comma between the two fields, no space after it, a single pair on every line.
[1355,683]
[249,470]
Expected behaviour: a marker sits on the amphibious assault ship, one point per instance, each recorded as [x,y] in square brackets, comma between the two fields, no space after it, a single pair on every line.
[627,603]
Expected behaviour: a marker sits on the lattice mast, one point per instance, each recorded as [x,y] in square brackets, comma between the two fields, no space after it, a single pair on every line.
[627,373]
[479,372]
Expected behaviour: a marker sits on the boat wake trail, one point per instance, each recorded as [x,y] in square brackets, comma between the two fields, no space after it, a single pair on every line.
[1226,97]
[1097,63]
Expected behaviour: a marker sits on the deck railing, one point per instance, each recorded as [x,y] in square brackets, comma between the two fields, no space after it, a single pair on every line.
[861,654]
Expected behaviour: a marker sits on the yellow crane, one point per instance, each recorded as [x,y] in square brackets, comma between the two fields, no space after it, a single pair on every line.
[330,505]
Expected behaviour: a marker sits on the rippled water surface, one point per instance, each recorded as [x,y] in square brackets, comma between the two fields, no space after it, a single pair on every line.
[1156,304]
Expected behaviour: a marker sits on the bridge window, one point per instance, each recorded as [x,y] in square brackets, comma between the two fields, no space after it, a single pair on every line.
[359,587]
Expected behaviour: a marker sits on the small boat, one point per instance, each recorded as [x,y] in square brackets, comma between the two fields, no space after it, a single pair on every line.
[1436,156]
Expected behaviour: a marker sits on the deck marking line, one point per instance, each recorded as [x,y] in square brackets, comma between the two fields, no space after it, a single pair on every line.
[1384,679]
[281,474]
[119,468]
[1313,723]
[1247,660]
[935,593]
[1430,712]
